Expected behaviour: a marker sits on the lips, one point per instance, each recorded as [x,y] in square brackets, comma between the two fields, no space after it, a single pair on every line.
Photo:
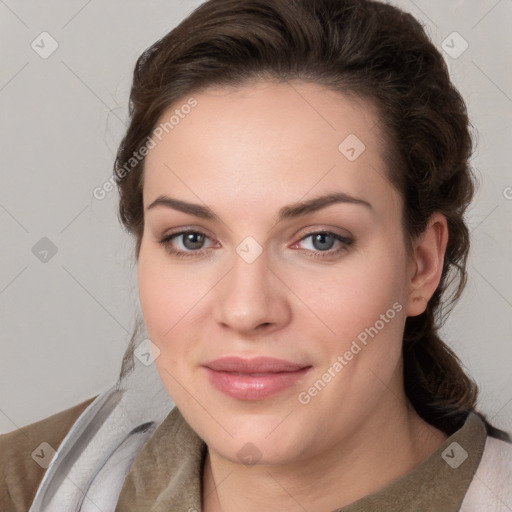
[254,378]
[254,365]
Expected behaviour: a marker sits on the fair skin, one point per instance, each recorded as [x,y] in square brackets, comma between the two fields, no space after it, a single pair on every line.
[245,154]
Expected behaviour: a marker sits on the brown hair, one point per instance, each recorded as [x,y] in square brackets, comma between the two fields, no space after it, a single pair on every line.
[366,48]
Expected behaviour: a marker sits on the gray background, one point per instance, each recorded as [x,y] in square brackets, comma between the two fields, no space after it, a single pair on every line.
[66,321]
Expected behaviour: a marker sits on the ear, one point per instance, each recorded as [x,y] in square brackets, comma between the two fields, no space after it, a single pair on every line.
[427,264]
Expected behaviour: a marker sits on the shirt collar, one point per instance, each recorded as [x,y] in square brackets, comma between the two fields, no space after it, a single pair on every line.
[167,473]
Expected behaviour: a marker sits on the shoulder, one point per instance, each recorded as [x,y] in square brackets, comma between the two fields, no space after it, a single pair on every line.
[26,453]
[491,487]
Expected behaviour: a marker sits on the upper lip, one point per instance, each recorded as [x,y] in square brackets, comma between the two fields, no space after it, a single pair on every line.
[253,365]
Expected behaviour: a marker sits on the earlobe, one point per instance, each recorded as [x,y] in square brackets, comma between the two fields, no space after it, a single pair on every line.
[428,254]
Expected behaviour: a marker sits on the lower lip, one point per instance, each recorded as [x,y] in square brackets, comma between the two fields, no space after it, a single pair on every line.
[253,387]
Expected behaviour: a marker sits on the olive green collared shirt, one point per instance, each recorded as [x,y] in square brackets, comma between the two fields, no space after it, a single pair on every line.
[167,474]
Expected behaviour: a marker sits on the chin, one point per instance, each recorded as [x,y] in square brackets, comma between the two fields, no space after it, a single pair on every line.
[258,451]
[273,439]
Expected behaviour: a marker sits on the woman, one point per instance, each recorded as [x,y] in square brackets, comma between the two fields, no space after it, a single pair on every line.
[295,175]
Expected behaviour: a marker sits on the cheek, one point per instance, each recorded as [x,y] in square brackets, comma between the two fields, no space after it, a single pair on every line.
[174,302]
[364,306]
[166,300]
[165,295]
[353,296]
[152,294]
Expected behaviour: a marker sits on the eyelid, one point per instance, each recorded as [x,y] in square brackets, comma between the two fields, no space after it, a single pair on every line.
[345,241]
[313,230]
[166,238]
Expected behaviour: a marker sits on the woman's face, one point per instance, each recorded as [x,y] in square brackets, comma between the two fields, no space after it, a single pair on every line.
[322,288]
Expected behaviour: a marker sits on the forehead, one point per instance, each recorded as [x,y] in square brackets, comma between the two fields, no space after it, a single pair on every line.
[267,143]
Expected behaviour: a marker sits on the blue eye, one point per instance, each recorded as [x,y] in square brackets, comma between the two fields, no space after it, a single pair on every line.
[323,241]
[193,241]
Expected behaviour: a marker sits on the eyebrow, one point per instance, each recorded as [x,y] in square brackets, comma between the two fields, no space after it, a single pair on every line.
[286,212]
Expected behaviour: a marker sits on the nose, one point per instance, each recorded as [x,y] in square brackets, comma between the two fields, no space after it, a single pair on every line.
[251,298]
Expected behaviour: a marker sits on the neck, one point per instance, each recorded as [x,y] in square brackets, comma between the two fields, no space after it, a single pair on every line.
[377,453]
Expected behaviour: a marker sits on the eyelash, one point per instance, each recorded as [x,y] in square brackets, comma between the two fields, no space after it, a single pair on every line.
[166,243]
